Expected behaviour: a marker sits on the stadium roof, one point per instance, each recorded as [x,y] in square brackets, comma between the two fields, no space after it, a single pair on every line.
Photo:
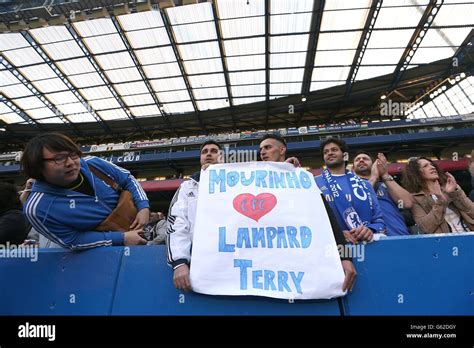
[107,71]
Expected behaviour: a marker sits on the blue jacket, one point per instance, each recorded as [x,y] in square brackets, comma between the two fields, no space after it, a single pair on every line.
[68,218]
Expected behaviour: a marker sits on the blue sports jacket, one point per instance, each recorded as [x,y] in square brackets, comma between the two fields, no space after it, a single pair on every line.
[68,218]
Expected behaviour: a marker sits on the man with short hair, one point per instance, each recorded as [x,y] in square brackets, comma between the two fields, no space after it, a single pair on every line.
[273,148]
[181,219]
[352,200]
[390,195]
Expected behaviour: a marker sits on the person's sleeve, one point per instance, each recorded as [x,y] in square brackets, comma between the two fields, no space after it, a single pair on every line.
[430,222]
[336,228]
[51,224]
[178,233]
[126,180]
[377,224]
[461,202]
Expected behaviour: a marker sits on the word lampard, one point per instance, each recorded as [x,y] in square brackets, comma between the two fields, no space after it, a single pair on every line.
[267,237]
[259,178]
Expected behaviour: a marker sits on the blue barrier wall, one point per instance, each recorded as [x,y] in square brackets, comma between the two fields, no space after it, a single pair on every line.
[415,275]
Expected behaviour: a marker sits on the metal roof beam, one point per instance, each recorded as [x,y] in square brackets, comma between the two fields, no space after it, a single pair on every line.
[179,60]
[424,25]
[140,70]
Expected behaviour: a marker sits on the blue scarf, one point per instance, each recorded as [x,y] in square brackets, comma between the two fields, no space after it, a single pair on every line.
[352,208]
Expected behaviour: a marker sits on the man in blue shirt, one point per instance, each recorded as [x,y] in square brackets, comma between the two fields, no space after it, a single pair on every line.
[352,199]
[390,195]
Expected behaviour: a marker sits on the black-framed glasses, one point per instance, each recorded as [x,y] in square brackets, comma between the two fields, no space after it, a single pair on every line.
[62,158]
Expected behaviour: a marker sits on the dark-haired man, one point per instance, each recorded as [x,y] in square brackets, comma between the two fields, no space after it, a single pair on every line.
[352,199]
[68,202]
[390,195]
[273,148]
[181,218]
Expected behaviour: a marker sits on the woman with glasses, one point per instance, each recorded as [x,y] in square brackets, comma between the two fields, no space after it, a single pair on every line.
[70,200]
[439,204]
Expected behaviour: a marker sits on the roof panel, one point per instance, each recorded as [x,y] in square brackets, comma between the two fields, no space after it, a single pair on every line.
[190,14]
[115,60]
[50,120]
[210,93]
[246,62]
[330,74]
[148,38]
[131,88]
[194,32]
[210,80]
[23,56]
[240,101]
[95,27]
[146,111]
[399,14]
[27,103]
[16,91]
[63,50]
[40,113]
[390,38]
[123,75]
[94,93]
[198,51]
[140,99]
[248,91]
[285,88]
[141,20]
[203,66]
[432,54]
[171,84]
[287,60]
[212,104]
[344,20]
[340,57]
[459,14]
[175,108]
[367,72]
[104,103]
[173,96]
[11,117]
[104,43]
[50,85]
[7,78]
[75,66]
[240,8]
[9,41]
[116,114]
[244,46]
[4,108]
[156,55]
[53,33]
[162,70]
[73,108]
[382,56]
[285,6]
[80,118]
[291,23]
[86,80]
[289,43]
[242,27]
[452,37]
[286,75]
[247,78]
[62,98]
[38,72]
[332,41]
[344,4]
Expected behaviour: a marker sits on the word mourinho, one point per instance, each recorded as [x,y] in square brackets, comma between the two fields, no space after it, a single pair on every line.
[258,178]
[34,331]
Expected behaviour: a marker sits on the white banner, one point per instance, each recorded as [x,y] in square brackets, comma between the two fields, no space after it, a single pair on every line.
[262,229]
